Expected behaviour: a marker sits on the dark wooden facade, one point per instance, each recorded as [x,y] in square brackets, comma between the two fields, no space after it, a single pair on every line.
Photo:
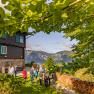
[15,50]
[11,40]
[13,53]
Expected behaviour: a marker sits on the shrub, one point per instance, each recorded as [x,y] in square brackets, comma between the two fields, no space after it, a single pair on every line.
[50,65]
[10,84]
[84,75]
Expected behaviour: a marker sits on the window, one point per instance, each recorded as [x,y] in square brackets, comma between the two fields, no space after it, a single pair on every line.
[3,49]
[21,39]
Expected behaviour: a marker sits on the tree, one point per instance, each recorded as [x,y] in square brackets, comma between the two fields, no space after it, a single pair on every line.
[74,17]
[50,65]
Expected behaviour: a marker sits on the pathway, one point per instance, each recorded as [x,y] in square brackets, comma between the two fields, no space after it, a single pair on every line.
[64,90]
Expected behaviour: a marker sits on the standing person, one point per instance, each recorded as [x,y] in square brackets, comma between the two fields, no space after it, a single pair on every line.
[40,77]
[32,73]
[11,70]
[36,73]
[24,73]
[42,70]
[46,80]
[40,74]
[15,68]
[49,80]
[54,77]
[3,70]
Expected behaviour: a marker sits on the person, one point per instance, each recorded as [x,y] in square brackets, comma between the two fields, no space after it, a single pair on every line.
[11,70]
[46,79]
[36,73]
[54,77]
[32,73]
[46,83]
[3,70]
[40,74]
[24,73]
[40,69]
[15,69]
[40,78]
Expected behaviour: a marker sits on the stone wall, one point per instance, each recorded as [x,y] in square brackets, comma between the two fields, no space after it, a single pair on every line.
[7,62]
[84,87]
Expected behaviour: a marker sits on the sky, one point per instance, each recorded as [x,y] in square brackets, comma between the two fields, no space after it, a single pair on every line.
[52,43]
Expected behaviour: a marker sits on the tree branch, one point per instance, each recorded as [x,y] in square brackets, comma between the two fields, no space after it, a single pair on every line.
[40,19]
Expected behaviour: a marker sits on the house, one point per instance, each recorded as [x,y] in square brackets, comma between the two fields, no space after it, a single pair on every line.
[12,49]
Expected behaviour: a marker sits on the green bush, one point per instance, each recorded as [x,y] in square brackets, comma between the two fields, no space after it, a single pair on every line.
[50,65]
[68,68]
[84,75]
[10,84]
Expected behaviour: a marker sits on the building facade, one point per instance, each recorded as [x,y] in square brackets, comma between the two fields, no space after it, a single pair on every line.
[12,49]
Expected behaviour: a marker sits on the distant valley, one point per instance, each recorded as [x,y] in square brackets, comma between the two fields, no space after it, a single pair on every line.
[41,56]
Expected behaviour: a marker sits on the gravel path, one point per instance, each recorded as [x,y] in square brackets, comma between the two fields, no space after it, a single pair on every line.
[64,90]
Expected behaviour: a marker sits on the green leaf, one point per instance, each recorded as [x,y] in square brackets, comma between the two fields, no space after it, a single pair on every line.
[4,1]
[2,13]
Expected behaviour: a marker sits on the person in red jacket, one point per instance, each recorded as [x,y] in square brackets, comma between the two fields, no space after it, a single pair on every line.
[24,73]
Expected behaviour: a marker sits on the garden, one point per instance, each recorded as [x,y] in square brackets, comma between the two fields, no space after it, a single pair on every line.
[17,85]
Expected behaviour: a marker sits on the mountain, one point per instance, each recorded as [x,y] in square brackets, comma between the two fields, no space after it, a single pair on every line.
[41,56]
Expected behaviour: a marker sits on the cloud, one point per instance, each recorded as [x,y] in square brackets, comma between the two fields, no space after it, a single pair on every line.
[52,43]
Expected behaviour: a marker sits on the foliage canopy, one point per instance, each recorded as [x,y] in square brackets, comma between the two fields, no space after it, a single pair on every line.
[58,15]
